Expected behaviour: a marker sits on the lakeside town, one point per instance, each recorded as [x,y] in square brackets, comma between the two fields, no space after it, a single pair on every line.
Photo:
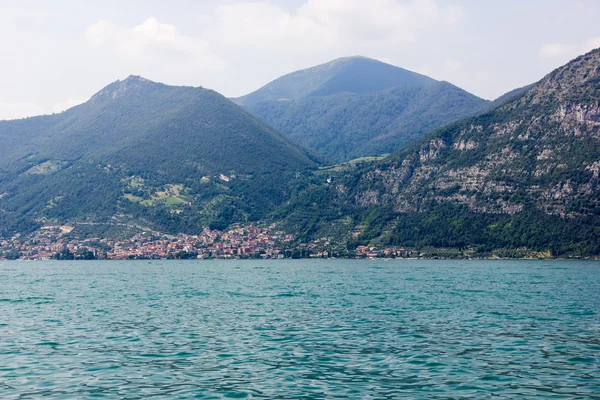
[59,242]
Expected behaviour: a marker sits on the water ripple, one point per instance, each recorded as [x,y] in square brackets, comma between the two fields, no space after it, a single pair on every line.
[300,330]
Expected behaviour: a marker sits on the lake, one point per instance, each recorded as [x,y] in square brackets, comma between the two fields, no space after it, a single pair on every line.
[300,329]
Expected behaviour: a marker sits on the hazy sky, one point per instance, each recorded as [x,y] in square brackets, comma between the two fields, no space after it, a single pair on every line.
[58,53]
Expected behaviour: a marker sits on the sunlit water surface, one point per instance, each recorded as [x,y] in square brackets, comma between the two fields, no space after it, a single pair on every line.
[310,329]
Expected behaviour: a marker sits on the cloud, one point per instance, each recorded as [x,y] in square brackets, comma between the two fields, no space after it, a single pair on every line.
[325,23]
[153,41]
[562,50]
[16,110]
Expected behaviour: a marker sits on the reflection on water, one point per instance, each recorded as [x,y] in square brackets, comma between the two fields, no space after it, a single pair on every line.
[300,329]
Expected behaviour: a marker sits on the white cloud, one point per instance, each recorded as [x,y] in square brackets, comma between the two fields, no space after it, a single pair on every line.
[151,42]
[262,26]
[324,23]
[16,110]
[562,50]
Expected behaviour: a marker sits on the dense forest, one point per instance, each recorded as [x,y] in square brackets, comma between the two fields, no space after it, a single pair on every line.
[347,125]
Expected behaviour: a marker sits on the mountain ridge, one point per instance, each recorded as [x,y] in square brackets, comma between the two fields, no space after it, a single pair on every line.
[317,80]
[201,158]
[354,107]
[523,175]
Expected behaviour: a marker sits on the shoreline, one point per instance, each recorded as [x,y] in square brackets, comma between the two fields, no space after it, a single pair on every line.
[324,258]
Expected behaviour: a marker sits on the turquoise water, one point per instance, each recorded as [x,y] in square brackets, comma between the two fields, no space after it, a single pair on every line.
[310,329]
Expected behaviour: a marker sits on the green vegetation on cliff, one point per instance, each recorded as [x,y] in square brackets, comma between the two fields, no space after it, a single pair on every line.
[525,175]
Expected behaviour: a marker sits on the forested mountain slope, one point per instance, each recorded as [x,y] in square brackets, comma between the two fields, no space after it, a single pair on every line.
[175,157]
[356,106]
[523,175]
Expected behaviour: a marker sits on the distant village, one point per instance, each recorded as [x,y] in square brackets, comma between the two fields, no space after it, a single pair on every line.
[59,242]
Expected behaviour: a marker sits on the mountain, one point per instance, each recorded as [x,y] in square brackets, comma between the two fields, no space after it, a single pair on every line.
[173,157]
[522,177]
[356,106]
[343,75]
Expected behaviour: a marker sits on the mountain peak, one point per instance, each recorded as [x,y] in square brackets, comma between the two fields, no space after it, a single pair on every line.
[133,79]
[581,75]
[351,58]
[171,136]
[130,85]
[354,74]
[136,81]
[358,57]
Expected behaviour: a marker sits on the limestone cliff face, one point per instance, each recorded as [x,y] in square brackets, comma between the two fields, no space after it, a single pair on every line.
[542,149]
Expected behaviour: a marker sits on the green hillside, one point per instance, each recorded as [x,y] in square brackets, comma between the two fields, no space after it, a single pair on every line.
[523,176]
[120,154]
[349,125]
[355,107]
